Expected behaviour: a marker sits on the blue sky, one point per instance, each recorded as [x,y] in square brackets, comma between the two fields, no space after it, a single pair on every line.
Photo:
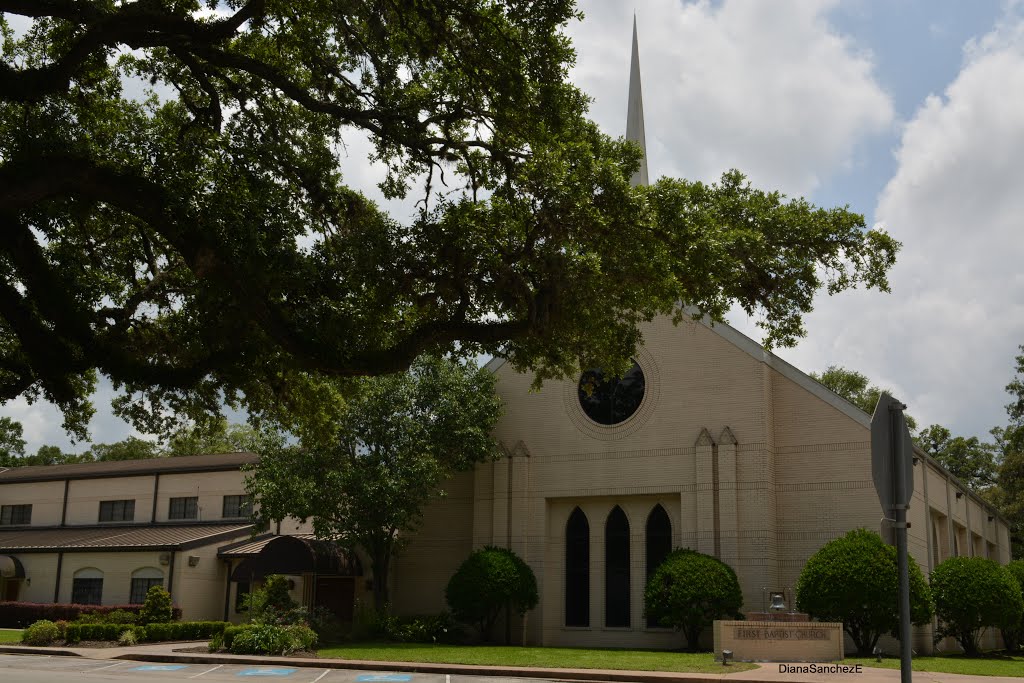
[909,111]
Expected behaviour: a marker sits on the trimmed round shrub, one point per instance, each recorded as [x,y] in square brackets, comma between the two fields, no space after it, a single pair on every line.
[157,609]
[489,580]
[1013,636]
[42,632]
[689,590]
[971,594]
[855,579]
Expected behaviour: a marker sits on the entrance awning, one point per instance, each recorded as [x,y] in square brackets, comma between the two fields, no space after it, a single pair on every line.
[292,555]
[11,567]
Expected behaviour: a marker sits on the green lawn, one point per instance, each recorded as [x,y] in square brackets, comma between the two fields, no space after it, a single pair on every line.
[554,657]
[10,635]
[989,665]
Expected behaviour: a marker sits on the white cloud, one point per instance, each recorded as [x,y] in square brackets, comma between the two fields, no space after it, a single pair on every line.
[770,88]
[947,335]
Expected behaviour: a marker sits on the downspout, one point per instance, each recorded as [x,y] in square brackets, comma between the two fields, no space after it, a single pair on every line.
[56,582]
[156,490]
[170,575]
[227,589]
[64,505]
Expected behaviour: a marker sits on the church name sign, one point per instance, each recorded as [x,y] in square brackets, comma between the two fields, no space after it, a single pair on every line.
[776,641]
[781,633]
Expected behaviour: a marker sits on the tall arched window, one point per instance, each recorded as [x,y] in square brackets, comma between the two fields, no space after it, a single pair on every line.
[659,544]
[616,569]
[87,587]
[577,570]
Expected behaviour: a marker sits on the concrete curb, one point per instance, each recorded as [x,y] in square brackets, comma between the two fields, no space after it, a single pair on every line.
[22,650]
[457,669]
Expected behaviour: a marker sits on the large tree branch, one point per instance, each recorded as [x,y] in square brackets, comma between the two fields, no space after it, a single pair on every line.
[138,25]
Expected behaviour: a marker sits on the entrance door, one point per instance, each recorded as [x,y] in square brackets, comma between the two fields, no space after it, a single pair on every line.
[9,590]
[337,594]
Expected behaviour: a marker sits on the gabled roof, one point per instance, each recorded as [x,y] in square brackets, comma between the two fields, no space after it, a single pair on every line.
[805,381]
[128,468]
[119,538]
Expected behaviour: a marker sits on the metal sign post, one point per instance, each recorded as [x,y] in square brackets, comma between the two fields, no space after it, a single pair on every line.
[892,469]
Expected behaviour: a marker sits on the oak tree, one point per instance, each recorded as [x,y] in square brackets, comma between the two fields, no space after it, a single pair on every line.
[400,438]
[201,243]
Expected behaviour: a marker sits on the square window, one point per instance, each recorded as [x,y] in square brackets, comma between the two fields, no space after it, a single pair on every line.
[117,510]
[87,591]
[15,514]
[140,587]
[237,506]
[184,508]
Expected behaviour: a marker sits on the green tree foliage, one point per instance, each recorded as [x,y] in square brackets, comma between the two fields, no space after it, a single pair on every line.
[689,590]
[1008,494]
[970,460]
[12,445]
[200,244]
[218,436]
[1013,634]
[854,579]
[157,609]
[489,580]
[971,594]
[132,448]
[855,388]
[399,439]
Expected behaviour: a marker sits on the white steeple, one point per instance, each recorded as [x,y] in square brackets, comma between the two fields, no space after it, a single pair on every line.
[635,113]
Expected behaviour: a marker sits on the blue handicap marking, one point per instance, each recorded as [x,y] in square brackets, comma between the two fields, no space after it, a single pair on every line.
[384,678]
[267,672]
[160,667]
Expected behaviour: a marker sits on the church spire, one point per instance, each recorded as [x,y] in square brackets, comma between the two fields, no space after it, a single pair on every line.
[635,113]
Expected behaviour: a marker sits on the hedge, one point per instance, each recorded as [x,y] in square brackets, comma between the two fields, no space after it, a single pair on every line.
[21,614]
[76,633]
[182,630]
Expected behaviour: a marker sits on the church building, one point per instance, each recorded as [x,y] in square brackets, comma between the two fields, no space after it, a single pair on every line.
[708,442]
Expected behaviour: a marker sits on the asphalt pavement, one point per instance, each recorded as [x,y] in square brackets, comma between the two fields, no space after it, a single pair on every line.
[162,661]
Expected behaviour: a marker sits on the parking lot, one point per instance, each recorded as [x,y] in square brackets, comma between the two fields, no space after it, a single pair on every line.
[36,668]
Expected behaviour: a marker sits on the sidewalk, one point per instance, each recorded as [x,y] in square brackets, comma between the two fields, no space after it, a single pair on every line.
[765,673]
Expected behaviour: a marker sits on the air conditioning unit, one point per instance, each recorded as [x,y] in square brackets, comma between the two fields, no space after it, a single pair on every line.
[165,558]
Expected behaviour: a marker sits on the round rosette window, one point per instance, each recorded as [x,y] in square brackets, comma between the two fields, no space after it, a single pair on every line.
[611,400]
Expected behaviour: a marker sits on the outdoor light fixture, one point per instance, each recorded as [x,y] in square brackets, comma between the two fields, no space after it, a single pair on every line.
[991,517]
[959,495]
[915,459]
[725,657]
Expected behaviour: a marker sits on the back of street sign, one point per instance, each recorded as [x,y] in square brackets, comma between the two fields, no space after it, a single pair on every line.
[888,432]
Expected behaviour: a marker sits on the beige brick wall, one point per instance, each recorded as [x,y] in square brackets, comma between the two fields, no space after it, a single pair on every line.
[209,487]
[199,590]
[431,556]
[751,463]
[84,496]
[45,497]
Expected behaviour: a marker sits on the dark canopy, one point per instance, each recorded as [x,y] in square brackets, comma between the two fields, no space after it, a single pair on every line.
[291,555]
[11,567]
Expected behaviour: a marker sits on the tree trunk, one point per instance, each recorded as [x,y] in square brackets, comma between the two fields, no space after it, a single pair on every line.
[381,569]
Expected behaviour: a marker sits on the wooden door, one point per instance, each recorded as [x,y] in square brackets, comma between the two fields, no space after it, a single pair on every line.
[337,594]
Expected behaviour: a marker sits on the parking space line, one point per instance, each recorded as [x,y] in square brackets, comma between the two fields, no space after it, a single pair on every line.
[207,671]
[108,666]
[326,671]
